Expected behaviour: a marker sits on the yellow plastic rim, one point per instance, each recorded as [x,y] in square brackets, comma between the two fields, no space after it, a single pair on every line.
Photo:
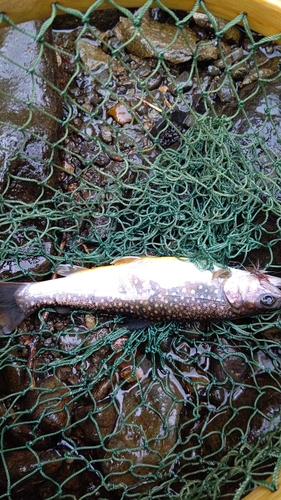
[264,16]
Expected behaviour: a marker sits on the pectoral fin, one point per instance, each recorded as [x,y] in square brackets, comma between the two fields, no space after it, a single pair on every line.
[232,294]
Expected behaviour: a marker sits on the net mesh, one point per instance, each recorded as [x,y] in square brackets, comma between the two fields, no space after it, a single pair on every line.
[138,132]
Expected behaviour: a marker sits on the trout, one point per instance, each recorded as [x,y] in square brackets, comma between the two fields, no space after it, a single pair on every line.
[152,288]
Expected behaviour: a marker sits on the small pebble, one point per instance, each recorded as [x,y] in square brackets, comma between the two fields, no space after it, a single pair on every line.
[213,70]
[68,167]
[106,134]
[120,114]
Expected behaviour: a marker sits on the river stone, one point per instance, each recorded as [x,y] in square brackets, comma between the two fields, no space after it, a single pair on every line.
[33,256]
[144,435]
[153,37]
[259,102]
[48,403]
[230,35]
[260,119]
[26,150]
[93,57]
[12,378]
[29,114]
[104,19]
[27,468]
[96,424]
[257,107]
[251,415]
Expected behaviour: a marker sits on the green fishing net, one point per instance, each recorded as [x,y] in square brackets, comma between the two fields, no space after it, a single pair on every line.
[138,132]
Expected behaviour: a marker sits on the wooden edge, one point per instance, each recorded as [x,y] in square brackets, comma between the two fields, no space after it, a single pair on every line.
[263,493]
[264,16]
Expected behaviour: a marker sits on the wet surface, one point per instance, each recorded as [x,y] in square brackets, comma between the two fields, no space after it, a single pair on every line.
[87,406]
[27,134]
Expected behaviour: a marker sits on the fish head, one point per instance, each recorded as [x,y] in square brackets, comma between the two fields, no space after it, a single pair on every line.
[250,293]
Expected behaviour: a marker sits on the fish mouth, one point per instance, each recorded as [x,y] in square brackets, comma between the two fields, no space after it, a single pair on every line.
[264,277]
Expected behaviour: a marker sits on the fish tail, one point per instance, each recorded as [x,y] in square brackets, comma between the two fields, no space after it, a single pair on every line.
[12,312]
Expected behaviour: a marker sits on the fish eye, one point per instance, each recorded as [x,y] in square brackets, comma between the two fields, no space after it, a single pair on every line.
[267,300]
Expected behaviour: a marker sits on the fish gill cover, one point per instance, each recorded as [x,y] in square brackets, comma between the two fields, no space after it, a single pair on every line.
[149,132]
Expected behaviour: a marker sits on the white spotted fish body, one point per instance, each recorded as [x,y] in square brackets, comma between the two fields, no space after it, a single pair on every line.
[153,288]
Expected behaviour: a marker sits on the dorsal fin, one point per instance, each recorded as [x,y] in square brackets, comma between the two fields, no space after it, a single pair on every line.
[68,270]
[125,260]
[221,274]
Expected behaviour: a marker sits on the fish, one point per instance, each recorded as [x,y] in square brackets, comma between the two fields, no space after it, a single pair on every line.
[151,288]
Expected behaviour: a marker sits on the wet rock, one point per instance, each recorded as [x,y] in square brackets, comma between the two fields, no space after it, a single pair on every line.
[252,416]
[103,19]
[218,396]
[230,363]
[207,51]
[31,171]
[236,55]
[93,57]
[255,75]
[70,341]
[106,133]
[257,105]
[32,258]
[101,389]
[120,114]
[100,354]
[3,409]
[177,47]
[77,480]
[21,464]
[232,58]
[226,92]
[12,378]
[261,67]
[154,82]
[145,432]
[29,113]
[261,118]
[213,70]
[22,433]
[202,20]
[230,35]
[143,71]
[96,424]
[131,374]
[192,364]
[183,81]
[73,477]
[48,403]
[170,134]
[240,71]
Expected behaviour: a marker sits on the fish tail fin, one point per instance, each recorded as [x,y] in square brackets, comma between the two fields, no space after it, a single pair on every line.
[11,312]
